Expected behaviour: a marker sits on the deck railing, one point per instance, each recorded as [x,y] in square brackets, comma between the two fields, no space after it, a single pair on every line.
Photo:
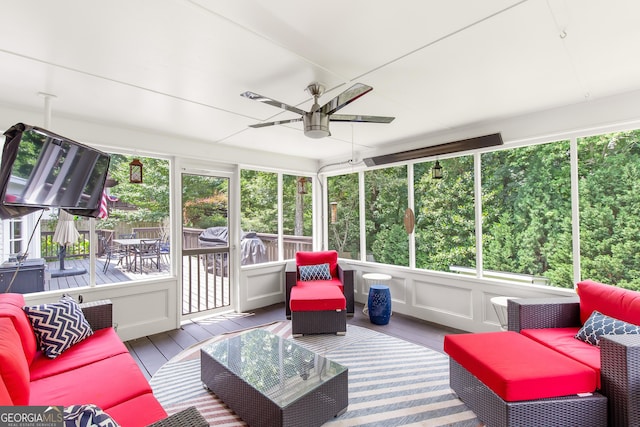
[205,284]
[49,249]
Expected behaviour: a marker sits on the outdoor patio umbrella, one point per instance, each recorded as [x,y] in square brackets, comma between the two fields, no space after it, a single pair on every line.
[65,234]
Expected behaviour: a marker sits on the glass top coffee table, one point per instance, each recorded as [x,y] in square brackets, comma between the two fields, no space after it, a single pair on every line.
[271,381]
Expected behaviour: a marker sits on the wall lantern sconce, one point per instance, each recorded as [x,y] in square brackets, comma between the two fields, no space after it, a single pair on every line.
[334,212]
[436,171]
[135,172]
[302,185]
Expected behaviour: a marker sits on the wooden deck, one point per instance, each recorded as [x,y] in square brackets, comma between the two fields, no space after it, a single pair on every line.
[154,351]
[114,274]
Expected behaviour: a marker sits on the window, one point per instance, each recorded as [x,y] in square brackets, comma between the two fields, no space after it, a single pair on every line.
[343,216]
[386,200]
[139,211]
[297,213]
[526,204]
[259,208]
[445,216]
[609,179]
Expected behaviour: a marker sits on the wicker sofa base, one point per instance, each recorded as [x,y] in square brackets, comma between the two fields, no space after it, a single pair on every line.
[319,322]
[491,409]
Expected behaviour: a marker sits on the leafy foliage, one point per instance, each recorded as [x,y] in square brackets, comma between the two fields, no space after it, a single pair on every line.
[526,212]
[344,232]
[259,201]
[150,197]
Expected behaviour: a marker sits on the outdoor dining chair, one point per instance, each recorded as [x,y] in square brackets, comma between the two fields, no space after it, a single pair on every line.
[148,250]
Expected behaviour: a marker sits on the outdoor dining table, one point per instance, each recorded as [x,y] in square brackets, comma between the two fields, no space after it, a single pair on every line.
[130,245]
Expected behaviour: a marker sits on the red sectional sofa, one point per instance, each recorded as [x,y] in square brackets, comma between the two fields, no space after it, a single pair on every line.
[596,330]
[97,370]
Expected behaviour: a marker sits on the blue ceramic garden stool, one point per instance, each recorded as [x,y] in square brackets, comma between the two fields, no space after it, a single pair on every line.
[379,304]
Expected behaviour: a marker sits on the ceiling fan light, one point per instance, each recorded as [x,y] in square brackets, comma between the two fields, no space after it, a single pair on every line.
[317,133]
[316,125]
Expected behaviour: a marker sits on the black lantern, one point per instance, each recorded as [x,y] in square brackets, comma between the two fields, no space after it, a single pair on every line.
[436,171]
[135,172]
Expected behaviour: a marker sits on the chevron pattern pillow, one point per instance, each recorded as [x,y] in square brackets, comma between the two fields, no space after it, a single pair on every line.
[315,272]
[87,416]
[599,324]
[58,325]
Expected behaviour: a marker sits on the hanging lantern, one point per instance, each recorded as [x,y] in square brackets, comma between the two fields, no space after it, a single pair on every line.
[436,171]
[334,212]
[135,172]
[302,185]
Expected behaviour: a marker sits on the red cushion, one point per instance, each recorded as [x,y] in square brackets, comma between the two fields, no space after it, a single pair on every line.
[105,383]
[14,369]
[5,398]
[332,282]
[620,303]
[11,307]
[517,368]
[320,257]
[317,298]
[102,344]
[563,341]
[137,412]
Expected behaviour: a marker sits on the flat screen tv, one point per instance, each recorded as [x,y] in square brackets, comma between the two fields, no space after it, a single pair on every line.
[42,170]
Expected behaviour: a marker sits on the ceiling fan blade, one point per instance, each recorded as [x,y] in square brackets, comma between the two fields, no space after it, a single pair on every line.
[279,122]
[345,98]
[257,97]
[357,118]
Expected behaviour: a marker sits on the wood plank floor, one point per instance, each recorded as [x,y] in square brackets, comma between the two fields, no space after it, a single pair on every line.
[153,351]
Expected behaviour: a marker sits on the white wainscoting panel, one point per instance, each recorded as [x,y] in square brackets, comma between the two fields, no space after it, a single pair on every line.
[139,308]
[261,285]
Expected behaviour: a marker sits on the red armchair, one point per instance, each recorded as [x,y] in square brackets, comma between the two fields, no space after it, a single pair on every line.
[311,277]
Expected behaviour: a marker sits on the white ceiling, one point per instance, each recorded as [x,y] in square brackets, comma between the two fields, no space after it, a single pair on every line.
[178,66]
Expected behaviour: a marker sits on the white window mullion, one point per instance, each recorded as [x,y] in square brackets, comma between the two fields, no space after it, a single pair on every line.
[575,209]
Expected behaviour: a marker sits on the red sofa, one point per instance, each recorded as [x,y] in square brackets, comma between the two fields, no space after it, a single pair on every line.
[97,370]
[554,322]
[508,376]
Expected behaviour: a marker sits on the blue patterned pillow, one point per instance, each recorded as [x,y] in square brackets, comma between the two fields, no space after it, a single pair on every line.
[58,326]
[315,272]
[599,324]
[87,416]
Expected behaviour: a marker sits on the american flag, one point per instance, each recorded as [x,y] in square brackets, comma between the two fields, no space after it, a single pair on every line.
[104,210]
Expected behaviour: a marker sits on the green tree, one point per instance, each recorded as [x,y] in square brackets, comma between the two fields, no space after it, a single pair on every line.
[609,170]
[527,211]
[445,216]
[259,201]
[151,197]
[386,199]
[344,226]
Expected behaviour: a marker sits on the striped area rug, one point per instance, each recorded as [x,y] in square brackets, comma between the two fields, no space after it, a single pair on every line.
[391,382]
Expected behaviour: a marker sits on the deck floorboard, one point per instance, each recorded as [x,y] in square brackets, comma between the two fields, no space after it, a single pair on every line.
[150,352]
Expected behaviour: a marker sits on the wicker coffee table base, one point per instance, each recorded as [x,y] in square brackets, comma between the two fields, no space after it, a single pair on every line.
[314,408]
[587,411]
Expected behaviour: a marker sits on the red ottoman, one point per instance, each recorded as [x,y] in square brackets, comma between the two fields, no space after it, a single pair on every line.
[508,379]
[318,309]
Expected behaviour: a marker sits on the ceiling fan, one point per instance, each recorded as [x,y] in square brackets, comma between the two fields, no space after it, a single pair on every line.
[316,121]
